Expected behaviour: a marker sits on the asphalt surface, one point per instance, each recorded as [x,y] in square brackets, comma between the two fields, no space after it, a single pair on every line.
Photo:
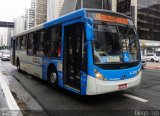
[62,102]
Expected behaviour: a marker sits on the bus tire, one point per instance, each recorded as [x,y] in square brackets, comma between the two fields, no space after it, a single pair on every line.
[152,60]
[18,66]
[53,77]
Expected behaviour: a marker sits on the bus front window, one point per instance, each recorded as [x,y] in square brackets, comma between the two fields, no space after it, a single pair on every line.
[113,43]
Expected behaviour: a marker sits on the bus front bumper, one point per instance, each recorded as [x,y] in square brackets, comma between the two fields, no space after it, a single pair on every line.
[96,86]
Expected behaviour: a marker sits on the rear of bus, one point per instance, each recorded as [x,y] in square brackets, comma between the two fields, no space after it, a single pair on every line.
[113,53]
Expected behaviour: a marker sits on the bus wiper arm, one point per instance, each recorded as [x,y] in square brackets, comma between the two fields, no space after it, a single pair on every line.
[128,29]
[131,42]
[108,29]
[106,26]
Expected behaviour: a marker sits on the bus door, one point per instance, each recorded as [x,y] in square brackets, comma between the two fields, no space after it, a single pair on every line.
[74,56]
[13,51]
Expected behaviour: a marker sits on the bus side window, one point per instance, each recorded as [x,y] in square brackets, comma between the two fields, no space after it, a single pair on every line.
[30,44]
[40,43]
[23,42]
[18,44]
[54,41]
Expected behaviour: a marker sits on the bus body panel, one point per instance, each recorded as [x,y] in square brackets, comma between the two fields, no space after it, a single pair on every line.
[90,85]
[120,74]
[96,86]
[57,64]
[30,64]
[113,78]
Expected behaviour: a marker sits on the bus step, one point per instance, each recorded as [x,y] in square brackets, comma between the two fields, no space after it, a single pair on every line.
[68,86]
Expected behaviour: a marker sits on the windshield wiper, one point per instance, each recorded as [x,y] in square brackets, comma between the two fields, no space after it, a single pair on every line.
[128,29]
[107,26]
[108,29]
[131,42]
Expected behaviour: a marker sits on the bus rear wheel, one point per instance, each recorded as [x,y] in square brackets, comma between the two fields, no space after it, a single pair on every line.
[53,78]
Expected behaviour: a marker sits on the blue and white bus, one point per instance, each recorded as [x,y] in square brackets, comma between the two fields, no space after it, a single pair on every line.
[88,52]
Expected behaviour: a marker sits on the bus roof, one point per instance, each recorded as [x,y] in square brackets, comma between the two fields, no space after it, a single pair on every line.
[64,18]
[73,15]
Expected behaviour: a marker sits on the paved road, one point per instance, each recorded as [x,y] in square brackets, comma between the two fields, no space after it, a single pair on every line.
[58,102]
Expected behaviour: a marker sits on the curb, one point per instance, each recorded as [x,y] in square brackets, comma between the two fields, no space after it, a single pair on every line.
[152,67]
[12,105]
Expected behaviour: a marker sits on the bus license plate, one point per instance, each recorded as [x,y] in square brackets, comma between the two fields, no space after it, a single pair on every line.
[113,59]
[122,86]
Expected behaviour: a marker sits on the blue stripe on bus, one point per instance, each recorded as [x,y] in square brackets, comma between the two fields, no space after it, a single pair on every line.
[90,60]
[45,63]
[83,83]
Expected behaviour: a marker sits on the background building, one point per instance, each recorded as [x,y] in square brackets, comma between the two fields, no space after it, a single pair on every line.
[146,14]
[29,18]
[19,25]
[53,9]
[72,5]
[1,40]
[9,34]
[4,38]
[40,11]
[33,4]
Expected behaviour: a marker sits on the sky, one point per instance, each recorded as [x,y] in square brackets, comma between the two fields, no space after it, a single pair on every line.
[10,9]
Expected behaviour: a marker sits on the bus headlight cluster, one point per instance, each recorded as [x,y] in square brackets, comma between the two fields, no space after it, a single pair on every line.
[98,75]
[139,71]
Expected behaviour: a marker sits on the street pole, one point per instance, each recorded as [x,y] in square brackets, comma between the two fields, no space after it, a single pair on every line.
[114,5]
[134,11]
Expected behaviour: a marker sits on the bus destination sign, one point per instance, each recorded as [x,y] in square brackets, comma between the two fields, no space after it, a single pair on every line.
[112,19]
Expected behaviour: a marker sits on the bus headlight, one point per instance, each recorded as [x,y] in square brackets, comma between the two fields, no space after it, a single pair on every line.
[98,75]
[139,71]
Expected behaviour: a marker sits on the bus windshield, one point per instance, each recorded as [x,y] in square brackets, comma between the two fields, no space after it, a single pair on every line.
[115,44]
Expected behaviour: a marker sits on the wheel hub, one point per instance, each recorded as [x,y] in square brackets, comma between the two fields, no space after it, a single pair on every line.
[53,77]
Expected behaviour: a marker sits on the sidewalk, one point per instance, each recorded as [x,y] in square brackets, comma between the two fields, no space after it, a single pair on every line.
[3,102]
[152,65]
[8,105]
[14,99]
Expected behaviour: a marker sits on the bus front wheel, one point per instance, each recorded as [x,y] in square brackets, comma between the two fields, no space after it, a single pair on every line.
[53,78]
[152,60]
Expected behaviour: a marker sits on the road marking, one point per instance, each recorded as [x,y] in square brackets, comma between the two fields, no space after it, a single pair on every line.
[9,97]
[136,98]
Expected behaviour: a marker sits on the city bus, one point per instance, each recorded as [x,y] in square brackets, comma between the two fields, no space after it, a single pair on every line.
[87,51]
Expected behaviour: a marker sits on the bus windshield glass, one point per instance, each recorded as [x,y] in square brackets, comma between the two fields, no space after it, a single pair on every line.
[115,44]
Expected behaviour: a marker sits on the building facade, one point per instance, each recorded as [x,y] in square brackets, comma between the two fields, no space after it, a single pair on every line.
[1,40]
[148,17]
[147,13]
[29,18]
[40,11]
[72,5]
[19,25]
[53,9]
[4,38]
[9,34]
